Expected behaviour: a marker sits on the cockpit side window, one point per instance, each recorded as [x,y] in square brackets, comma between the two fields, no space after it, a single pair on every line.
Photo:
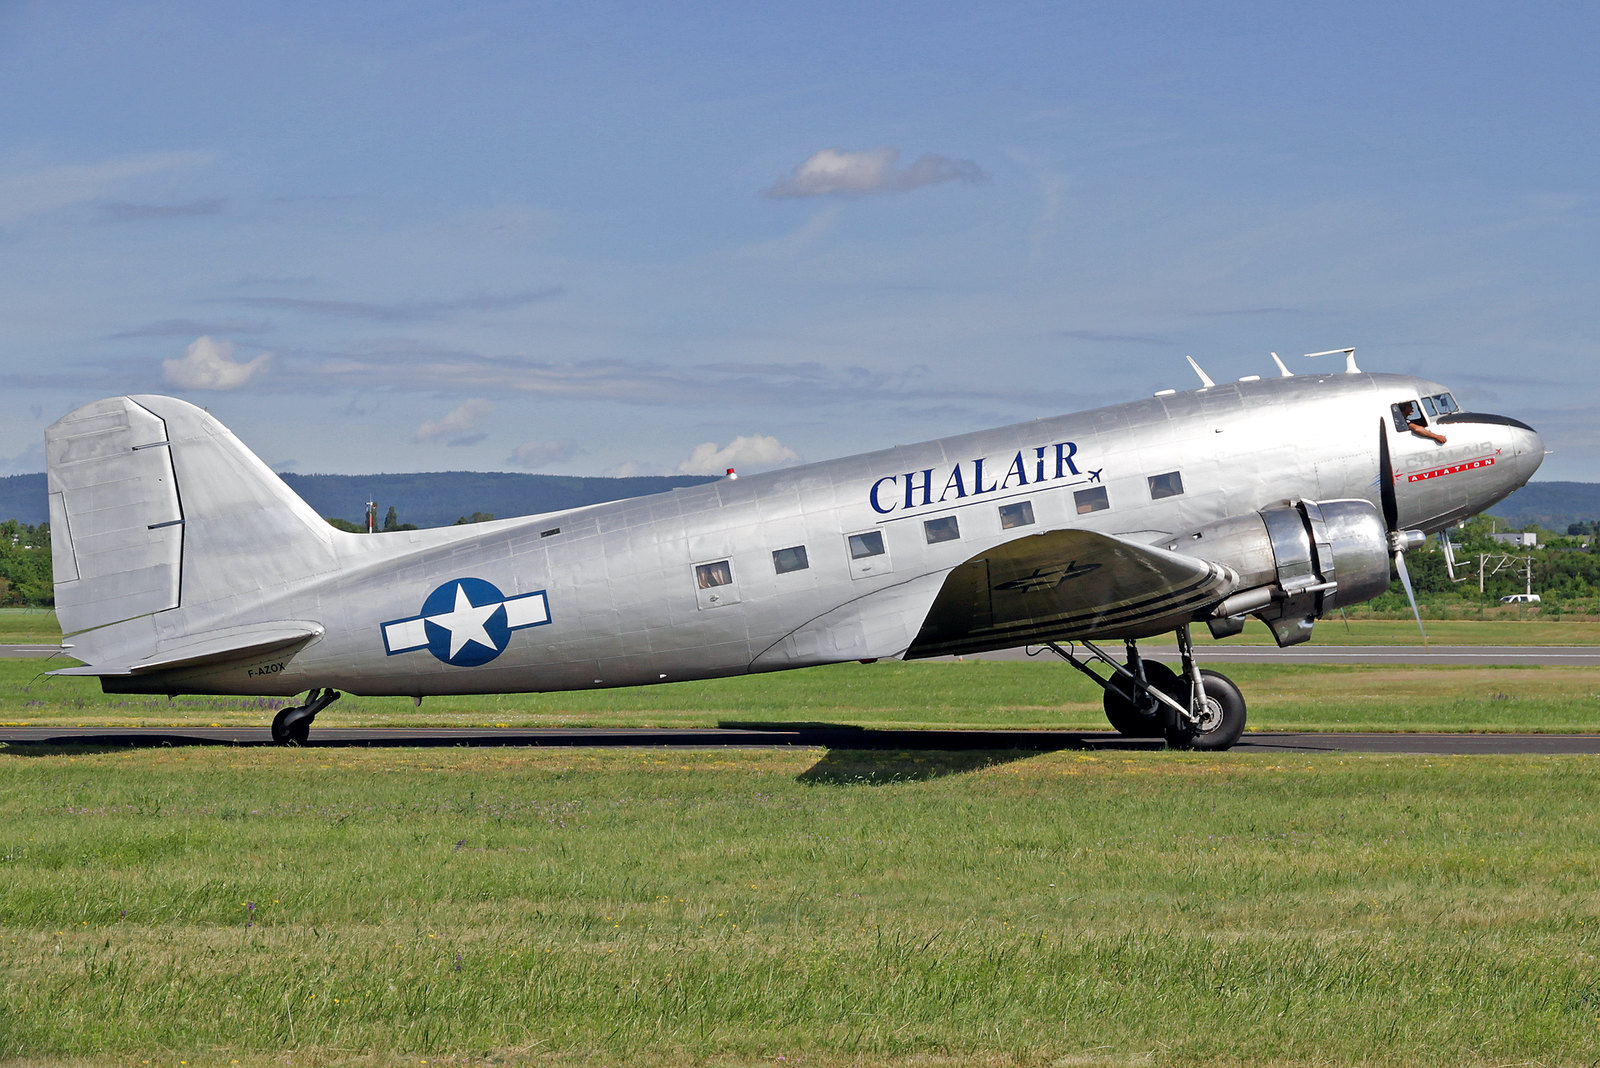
[1408,418]
[1446,403]
[1406,413]
[1427,403]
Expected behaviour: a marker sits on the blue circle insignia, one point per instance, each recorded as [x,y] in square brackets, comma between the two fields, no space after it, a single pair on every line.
[466,622]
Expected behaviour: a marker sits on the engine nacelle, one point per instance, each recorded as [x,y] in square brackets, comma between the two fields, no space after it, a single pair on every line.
[1296,563]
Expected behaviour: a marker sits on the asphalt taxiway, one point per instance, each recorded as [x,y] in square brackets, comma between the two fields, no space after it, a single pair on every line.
[779,735]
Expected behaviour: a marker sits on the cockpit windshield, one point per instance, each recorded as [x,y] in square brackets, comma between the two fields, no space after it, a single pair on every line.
[1436,405]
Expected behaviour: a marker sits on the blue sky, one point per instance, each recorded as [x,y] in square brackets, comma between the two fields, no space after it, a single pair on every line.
[615,238]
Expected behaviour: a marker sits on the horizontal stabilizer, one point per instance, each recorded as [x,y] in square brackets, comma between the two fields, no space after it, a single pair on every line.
[225,646]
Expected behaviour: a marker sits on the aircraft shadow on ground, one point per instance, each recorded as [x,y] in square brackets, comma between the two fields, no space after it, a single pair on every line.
[883,767]
[98,745]
[875,757]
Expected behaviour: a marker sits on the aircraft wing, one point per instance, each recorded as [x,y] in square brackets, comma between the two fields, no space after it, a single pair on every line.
[1065,584]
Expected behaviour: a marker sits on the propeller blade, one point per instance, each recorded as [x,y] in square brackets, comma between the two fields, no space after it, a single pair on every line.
[1411,594]
[1391,507]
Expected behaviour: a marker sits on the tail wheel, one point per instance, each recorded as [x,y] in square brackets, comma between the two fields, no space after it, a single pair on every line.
[1137,715]
[1221,719]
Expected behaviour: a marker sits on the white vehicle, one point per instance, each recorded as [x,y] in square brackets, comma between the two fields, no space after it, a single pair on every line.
[1521,598]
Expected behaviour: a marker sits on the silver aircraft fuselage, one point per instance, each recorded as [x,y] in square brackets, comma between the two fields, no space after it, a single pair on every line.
[821,563]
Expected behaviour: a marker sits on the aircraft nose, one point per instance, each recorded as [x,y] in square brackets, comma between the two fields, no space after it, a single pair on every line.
[1527,449]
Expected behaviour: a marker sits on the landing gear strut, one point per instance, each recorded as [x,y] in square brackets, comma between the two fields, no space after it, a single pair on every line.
[1194,709]
[292,726]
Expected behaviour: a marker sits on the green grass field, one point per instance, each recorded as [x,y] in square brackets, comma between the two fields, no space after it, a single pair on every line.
[268,907]
[1506,629]
[474,907]
[23,626]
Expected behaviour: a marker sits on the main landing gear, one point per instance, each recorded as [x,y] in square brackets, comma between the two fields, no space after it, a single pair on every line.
[1193,709]
[292,726]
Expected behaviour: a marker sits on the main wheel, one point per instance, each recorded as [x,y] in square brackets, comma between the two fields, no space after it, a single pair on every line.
[289,731]
[1136,715]
[1221,720]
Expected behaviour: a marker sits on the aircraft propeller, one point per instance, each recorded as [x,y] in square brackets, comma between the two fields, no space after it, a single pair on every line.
[1400,541]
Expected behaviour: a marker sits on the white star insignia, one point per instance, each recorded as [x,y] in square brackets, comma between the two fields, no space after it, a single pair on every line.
[465,622]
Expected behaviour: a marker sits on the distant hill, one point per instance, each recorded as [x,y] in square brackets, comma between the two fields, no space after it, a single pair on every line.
[432,499]
[22,497]
[436,499]
[1551,504]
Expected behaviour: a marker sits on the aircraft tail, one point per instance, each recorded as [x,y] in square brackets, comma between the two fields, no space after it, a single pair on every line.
[156,506]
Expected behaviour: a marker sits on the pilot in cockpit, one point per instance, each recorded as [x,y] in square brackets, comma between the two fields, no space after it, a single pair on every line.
[1413,417]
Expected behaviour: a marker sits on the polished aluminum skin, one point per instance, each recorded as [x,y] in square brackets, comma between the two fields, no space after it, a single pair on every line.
[184,565]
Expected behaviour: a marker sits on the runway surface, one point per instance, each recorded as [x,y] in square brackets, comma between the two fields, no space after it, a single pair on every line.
[825,736]
[1359,655]
[16,652]
[1365,655]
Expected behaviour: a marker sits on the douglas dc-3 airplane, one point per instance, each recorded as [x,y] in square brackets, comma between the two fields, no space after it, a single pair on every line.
[183,565]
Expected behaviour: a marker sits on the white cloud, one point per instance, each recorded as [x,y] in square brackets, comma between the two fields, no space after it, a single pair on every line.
[37,192]
[755,452]
[209,364]
[460,427]
[538,453]
[835,173]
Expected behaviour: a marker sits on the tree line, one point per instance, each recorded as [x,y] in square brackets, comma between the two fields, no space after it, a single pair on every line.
[25,577]
[1566,569]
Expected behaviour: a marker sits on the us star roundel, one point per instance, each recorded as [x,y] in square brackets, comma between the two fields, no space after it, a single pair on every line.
[466,622]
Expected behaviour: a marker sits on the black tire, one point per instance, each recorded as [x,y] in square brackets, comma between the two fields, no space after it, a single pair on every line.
[1223,721]
[287,731]
[1135,716]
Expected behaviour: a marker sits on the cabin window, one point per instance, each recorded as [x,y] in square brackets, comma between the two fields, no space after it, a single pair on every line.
[1019,514]
[868,544]
[707,576]
[791,559]
[868,556]
[1167,485]
[1091,500]
[942,529]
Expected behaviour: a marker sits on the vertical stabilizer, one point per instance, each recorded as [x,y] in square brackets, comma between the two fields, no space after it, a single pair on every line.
[154,505]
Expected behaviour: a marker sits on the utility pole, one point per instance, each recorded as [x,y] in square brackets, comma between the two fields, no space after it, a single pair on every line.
[1505,562]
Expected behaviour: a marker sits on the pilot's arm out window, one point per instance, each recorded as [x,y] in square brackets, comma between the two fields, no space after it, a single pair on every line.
[1407,413]
[1408,417]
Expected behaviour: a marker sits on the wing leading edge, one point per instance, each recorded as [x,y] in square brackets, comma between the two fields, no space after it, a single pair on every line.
[1065,584]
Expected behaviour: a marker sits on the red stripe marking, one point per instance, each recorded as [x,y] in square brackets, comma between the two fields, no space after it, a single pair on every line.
[1453,469]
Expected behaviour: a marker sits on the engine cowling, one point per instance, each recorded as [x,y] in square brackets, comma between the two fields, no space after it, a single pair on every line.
[1296,562]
